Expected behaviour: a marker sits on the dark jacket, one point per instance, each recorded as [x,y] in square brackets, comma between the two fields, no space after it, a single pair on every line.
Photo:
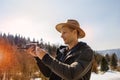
[74,64]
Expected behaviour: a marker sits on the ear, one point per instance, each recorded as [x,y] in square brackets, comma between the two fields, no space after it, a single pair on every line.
[75,31]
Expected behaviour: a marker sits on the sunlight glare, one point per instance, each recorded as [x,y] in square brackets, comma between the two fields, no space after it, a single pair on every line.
[1,56]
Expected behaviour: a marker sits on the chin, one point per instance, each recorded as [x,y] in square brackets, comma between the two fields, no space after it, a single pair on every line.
[64,42]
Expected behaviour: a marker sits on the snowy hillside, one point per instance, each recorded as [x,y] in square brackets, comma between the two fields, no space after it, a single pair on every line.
[110,51]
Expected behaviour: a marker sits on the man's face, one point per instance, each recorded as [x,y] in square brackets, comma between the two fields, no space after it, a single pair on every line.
[68,35]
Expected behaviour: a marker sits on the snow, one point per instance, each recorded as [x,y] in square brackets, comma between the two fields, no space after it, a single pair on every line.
[110,75]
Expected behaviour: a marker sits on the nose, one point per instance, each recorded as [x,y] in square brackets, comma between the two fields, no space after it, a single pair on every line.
[61,35]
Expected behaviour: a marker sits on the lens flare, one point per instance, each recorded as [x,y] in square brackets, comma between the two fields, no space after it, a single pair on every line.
[6,55]
[1,56]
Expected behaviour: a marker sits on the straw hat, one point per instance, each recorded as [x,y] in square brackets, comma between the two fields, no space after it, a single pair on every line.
[73,24]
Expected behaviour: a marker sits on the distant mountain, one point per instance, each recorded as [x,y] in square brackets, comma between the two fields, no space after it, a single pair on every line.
[110,51]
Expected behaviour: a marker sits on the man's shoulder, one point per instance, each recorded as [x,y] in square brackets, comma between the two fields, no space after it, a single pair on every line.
[83,45]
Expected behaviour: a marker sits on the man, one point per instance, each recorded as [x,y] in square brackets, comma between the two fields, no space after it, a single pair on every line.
[73,61]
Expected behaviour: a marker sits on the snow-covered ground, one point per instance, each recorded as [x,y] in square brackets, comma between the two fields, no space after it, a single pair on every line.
[110,75]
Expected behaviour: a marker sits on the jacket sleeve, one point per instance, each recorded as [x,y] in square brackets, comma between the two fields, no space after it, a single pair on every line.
[44,69]
[74,70]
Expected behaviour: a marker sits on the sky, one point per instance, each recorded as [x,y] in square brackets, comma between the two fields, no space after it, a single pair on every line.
[37,19]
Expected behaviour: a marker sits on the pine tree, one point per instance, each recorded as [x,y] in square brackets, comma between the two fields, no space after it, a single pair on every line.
[113,62]
[107,57]
[104,65]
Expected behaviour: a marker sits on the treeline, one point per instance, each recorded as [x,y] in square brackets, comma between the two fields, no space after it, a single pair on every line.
[15,63]
[19,41]
[103,63]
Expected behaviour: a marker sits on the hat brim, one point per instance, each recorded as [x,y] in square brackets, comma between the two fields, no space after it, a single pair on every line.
[81,33]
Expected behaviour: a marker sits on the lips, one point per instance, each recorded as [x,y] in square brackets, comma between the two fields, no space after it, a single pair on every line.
[64,39]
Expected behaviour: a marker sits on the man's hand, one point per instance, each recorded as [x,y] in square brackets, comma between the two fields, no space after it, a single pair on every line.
[40,52]
[36,51]
[32,51]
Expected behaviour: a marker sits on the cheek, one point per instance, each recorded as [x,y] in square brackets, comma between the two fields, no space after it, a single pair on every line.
[63,35]
[66,35]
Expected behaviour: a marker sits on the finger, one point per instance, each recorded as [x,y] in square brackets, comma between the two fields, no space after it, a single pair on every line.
[31,48]
[32,52]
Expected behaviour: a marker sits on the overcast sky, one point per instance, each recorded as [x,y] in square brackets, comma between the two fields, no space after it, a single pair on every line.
[37,19]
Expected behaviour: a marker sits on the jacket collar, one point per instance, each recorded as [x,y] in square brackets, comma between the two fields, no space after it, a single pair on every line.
[76,50]
[78,46]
